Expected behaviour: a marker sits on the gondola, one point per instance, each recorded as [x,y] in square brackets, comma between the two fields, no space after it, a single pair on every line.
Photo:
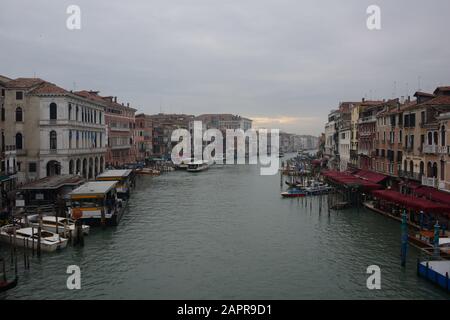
[7,285]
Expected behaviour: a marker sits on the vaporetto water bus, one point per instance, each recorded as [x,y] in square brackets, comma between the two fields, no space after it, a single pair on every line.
[96,203]
[124,180]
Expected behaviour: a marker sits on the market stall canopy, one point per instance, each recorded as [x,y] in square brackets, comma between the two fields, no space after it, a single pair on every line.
[347,179]
[411,202]
[370,176]
[433,194]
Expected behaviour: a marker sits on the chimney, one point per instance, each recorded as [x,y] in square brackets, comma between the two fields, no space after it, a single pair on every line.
[363,99]
[115,99]
[409,98]
[128,104]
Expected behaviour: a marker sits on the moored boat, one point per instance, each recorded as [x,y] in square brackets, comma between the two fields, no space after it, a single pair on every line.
[198,166]
[317,187]
[124,178]
[96,203]
[59,225]
[293,193]
[28,237]
[149,171]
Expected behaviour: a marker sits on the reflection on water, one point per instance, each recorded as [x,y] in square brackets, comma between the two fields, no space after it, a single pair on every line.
[227,234]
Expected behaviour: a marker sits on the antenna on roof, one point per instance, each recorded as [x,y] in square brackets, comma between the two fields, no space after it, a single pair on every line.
[74,86]
[419,79]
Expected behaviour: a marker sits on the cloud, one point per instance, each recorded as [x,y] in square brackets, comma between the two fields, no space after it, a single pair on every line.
[283,59]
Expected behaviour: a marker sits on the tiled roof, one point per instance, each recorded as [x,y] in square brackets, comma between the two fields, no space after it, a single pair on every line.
[49,88]
[90,95]
[24,83]
[423,94]
[434,102]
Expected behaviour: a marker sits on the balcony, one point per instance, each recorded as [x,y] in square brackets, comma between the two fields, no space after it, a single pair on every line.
[410,175]
[430,149]
[367,119]
[430,182]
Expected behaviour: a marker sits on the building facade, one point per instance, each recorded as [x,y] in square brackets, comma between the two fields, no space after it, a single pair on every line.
[52,131]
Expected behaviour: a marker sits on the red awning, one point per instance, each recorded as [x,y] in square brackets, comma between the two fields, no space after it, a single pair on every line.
[347,179]
[370,176]
[433,194]
[412,202]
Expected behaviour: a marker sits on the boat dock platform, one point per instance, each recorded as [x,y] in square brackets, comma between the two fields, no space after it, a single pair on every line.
[436,272]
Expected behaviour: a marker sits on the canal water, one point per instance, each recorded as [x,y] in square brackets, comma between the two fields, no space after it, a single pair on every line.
[227,234]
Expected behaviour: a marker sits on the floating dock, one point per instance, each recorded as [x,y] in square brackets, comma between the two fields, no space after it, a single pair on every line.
[436,272]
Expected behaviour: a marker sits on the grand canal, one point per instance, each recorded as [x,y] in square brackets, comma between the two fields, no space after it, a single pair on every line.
[226,234]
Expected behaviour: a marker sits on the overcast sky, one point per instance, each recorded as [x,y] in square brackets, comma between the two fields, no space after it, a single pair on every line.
[284,63]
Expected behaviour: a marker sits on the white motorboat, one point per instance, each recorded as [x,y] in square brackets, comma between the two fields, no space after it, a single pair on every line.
[60,225]
[316,187]
[199,165]
[28,237]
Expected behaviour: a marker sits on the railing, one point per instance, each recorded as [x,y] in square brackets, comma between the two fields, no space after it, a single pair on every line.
[410,175]
[431,149]
[430,182]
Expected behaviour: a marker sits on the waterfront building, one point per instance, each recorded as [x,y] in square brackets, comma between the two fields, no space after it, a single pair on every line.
[163,126]
[332,139]
[223,121]
[120,122]
[367,133]
[144,136]
[51,131]
[389,138]
[425,136]
[3,81]
[355,109]
[344,129]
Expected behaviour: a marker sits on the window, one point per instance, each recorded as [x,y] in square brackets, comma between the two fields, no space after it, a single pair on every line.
[76,113]
[19,115]
[443,136]
[32,167]
[19,95]
[3,112]
[3,92]
[19,141]
[70,111]
[53,141]
[53,111]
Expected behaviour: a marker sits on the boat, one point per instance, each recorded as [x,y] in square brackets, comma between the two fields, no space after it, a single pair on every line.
[7,285]
[97,203]
[296,184]
[4,283]
[293,193]
[317,187]
[58,225]
[197,166]
[183,164]
[149,171]
[124,178]
[424,240]
[29,237]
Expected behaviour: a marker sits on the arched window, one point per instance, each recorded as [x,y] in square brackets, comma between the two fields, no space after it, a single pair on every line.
[53,142]
[19,114]
[411,167]
[443,136]
[53,111]
[422,168]
[435,170]
[71,167]
[429,170]
[76,113]
[435,138]
[70,111]
[442,170]
[430,138]
[19,141]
